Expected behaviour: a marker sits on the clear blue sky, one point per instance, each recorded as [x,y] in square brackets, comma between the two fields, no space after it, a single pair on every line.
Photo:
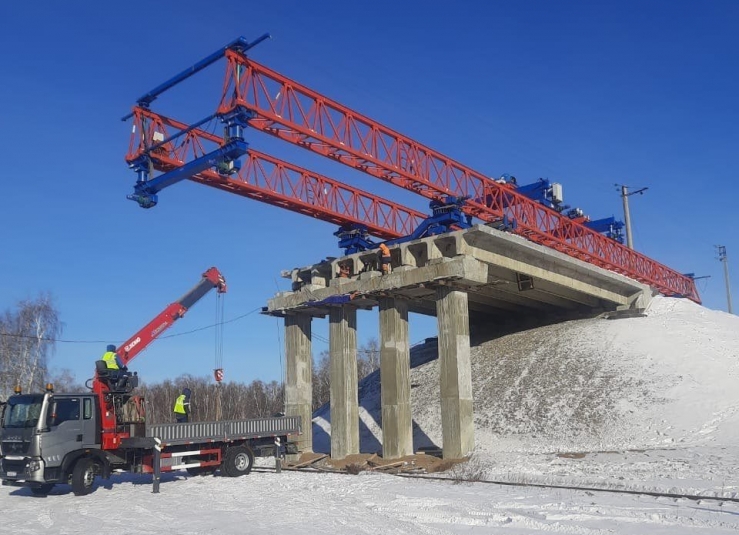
[587,94]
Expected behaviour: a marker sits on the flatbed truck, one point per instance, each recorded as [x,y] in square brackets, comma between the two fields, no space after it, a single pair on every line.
[48,438]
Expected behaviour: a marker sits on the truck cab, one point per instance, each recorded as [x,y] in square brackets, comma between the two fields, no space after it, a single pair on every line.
[44,435]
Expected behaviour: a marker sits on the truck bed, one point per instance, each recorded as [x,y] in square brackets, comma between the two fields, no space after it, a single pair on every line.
[225,430]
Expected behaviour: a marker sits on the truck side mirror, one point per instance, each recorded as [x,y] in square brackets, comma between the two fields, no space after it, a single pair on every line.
[51,415]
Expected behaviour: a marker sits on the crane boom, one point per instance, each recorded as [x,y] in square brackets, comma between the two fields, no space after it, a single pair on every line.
[299,115]
[212,278]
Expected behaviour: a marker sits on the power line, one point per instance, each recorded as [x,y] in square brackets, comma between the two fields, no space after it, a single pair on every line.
[62,341]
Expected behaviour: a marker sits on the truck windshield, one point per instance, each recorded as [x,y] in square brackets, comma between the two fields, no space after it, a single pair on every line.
[23,411]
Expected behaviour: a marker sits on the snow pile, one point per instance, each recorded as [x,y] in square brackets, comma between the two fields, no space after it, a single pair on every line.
[599,387]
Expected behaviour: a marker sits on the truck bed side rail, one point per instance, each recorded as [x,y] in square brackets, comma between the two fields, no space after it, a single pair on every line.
[225,431]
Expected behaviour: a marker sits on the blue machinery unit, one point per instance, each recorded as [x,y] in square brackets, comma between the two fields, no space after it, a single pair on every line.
[226,159]
[446,216]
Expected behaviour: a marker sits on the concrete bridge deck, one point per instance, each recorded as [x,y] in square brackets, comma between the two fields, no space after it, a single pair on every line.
[504,275]
[474,277]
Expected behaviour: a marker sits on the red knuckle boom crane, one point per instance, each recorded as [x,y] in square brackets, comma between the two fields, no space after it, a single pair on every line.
[105,390]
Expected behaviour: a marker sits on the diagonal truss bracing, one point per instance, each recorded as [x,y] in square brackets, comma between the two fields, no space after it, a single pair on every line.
[299,115]
[270,180]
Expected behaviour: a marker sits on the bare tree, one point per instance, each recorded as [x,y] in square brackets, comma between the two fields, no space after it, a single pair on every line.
[65,382]
[321,380]
[27,340]
[368,358]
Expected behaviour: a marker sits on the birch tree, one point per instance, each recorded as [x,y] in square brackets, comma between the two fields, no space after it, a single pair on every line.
[27,340]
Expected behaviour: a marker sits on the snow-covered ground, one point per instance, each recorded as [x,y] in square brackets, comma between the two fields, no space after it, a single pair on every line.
[641,404]
[332,504]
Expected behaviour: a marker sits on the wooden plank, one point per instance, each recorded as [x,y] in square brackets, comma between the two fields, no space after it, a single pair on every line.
[390,465]
[308,463]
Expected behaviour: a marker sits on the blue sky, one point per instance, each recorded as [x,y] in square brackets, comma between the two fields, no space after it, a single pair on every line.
[587,94]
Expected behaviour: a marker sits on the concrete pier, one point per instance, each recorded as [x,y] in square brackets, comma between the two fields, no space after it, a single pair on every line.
[457,426]
[343,377]
[395,382]
[299,375]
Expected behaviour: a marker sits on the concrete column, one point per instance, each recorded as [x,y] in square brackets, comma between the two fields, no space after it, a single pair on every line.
[343,376]
[299,375]
[457,426]
[395,380]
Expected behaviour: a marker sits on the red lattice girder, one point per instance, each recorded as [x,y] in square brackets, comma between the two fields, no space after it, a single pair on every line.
[273,181]
[305,118]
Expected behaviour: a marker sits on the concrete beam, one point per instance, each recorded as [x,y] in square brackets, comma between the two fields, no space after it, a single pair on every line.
[395,380]
[457,426]
[343,376]
[463,270]
[520,255]
[299,375]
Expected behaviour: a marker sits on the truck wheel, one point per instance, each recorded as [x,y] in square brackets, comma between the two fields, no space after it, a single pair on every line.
[42,490]
[83,476]
[238,461]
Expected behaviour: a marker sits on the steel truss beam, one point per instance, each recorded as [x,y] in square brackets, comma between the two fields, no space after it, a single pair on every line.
[269,179]
[299,115]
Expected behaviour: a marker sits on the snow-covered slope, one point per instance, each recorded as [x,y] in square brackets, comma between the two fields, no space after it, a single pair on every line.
[667,381]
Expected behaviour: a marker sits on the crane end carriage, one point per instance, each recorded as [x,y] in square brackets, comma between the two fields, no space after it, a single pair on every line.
[447,215]
[226,159]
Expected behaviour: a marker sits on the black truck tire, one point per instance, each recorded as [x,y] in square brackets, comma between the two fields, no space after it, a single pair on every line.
[83,476]
[238,461]
[42,490]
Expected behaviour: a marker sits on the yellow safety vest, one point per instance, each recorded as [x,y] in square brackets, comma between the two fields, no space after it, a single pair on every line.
[179,404]
[110,360]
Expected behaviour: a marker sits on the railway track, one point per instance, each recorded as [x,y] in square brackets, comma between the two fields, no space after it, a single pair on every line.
[694,497]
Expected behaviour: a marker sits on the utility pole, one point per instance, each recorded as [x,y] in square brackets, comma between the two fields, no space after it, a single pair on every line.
[625,194]
[723,258]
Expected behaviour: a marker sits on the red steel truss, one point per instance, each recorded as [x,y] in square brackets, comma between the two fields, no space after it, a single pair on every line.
[270,180]
[294,113]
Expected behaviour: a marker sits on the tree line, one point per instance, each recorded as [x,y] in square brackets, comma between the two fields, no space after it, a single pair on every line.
[28,335]
[238,401]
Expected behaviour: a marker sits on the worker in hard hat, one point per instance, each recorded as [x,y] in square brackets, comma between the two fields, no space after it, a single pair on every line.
[344,270]
[385,259]
[117,371]
[182,407]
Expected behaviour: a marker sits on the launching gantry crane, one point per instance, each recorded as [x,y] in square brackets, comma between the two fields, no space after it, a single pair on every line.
[259,98]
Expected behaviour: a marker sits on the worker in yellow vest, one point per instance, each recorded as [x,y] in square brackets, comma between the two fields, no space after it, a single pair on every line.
[111,358]
[117,371]
[182,406]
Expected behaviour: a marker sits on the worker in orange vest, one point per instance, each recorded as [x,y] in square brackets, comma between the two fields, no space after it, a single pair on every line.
[385,259]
